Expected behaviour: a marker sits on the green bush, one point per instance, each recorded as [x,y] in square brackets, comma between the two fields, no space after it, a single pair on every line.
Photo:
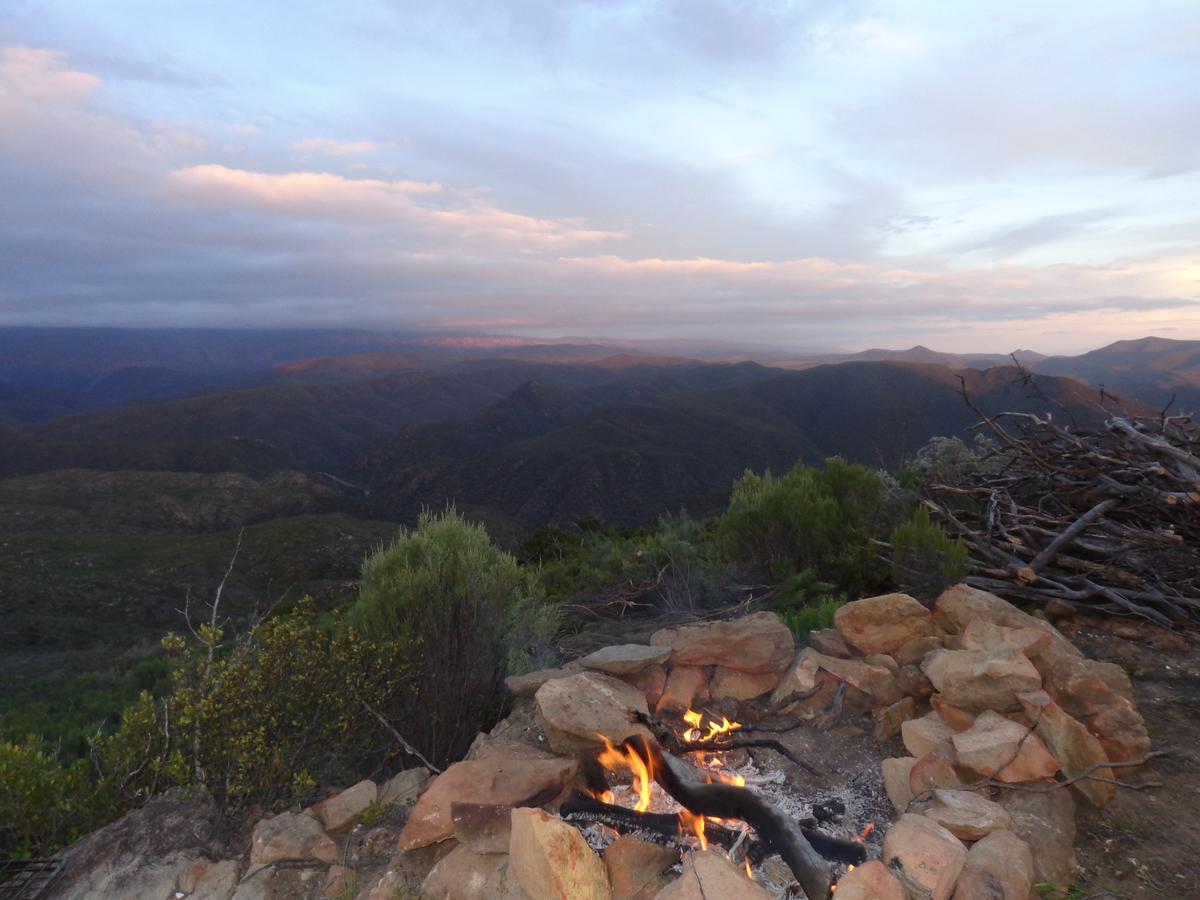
[45,803]
[451,599]
[926,560]
[817,519]
[803,620]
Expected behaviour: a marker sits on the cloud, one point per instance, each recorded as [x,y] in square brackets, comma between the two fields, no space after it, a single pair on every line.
[333,147]
[42,76]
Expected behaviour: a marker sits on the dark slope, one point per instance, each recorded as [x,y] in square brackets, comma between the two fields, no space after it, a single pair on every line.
[1152,370]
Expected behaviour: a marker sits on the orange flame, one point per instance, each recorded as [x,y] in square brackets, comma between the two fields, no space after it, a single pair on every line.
[862,836]
[696,823]
[749,871]
[614,760]
[695,720]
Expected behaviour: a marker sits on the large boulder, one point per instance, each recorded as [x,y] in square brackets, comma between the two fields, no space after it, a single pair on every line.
[883,624]
[524,685]
[574,712]
[967,815]
[960,605]
[759,642]
[926,853]
[996,747]
[504,780]
[999,867]
[1072,745]
[975,681]
[709,874]
[552,861]
[625,659]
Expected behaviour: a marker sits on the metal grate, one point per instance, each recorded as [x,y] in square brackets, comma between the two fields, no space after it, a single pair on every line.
[28,879]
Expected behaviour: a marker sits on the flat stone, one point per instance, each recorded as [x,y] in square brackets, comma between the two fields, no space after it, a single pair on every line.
[876,681]
[637,869]
[829,641]
[1072,745]
[890,719]
[552,861]
[625,659]
[287,836]
[958,606]
[499,780]
[998,640]
[896,774]
[339,812]
[574,711]
[925,852]
[923,734]
[686,686]
[992,743]
[976,681]
[882,624]
[651,681]
[709,875]
[404,787]
[759,642]
[733,684]
[486,747]
[1046,822]
[484,827]
[463,874]
[936,769]
[999,867]
[957,719]
[966,814]
[870,881]
[525,685]
[911,652]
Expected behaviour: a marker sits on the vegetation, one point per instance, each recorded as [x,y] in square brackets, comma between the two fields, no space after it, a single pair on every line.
[926,560]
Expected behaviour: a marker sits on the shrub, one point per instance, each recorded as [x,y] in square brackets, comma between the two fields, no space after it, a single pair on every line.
[803,620]
[818,519]
[926,560]
[45,803]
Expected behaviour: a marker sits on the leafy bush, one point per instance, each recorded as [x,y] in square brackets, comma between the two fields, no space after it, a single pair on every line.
[926,560]
[45,803]
[818,519]
[447,595]
[803,620]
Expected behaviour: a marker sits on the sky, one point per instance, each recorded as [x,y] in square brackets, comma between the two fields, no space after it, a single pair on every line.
[971,176]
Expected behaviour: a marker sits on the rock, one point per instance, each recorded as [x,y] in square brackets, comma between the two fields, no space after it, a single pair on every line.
[876,681]
[732,684]
[992,742]
[1046,822]
[829,642]
[896,774]
[759,642]
[405,787]
[800,678]
[976,681]
[636,868]
[890,719]
[1085,687]
[870,881]
[574,711]
[999,867]
[339,812]
[625,659]
[709,875]
[958,606]
[485,747]
[1072,744]
[287,836]
[686,686]
[500,780]
[923,734]
[651,681]
[552,861]
[936,769]
[484,827]
[207,880]
[1059,610]
[911,652]
[957,719]
[146,851]
[882,624]
[1121,732]
[524,685]
[463,874]
[925,852]
[997,640]
[913,682]
[966,814]
[339,881]
[883,661]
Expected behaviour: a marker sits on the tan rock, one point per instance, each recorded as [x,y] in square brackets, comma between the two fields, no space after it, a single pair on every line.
[926,852]
[967,815]
[759,642]
[890,719]
[500,780]
[883,624]
[484,827]
[923,734]
[405,787]
[913,682]
[526,685]
[992,744]
[1085,687]
[651,682]
[339,812]
[876,681]
[910,653]
[206,880]
[463,874]
[686,686]
[732,684]
[636,869]
[800,678]
[1121,732]
[487,747]
[976,681]
[936,769]
[1046,822]
[829,642]
[339,880]
[999,867]
[883,661]
[551,860]
[1071,743]
[957,719]
[286,836]
[708,875]
[958,606]
[870,881]
[625,659]
[574,711]
[997,640]
[896,774]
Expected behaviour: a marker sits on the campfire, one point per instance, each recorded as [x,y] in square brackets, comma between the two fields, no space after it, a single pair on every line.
[685,788]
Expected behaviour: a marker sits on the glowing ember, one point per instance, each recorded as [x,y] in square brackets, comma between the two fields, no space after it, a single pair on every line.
[862,836]
[696,824]
[749,871]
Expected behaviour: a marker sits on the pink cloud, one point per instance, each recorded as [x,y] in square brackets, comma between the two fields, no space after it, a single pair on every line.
[333,147]
[42,75]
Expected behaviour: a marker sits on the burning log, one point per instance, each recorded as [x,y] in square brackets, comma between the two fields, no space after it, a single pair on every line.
[719,739]
[725,801]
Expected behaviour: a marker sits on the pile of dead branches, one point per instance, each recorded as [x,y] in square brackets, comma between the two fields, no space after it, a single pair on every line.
[1106,518]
